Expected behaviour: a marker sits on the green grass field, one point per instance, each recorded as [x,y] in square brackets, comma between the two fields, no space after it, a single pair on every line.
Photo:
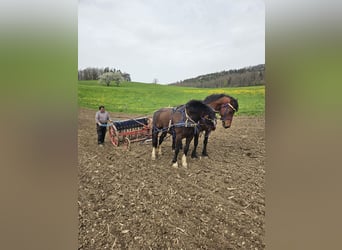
[144,99]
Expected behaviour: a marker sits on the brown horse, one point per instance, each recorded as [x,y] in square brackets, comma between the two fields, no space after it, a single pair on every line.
[185,122]
[162,122]
[226,106]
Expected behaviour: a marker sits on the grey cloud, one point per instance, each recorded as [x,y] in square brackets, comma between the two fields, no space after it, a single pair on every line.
[171,40]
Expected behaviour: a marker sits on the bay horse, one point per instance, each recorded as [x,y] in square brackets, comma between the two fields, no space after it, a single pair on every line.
[223,104]
[162,122]
[226,106]
[186,121]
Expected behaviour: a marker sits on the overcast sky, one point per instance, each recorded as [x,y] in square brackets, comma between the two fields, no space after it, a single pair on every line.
[170,40]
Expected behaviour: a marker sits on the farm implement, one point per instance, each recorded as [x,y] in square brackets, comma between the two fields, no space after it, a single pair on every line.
[124,132]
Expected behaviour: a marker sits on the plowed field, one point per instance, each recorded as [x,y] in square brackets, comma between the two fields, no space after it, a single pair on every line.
[128,201]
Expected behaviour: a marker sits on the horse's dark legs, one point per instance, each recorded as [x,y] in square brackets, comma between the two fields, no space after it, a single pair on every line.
[161,139]
[173,134]
[178,145]
[205,142]
[194,154]
[185,152]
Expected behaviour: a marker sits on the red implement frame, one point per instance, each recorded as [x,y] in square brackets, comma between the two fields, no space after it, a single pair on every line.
[121,133]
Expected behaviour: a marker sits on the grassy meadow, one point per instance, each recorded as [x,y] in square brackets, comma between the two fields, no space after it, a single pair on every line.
[144,99]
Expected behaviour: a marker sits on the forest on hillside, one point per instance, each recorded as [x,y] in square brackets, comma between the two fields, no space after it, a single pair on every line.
[248,76]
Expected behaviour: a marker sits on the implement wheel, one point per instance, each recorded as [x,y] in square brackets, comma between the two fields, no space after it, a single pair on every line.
[114,137]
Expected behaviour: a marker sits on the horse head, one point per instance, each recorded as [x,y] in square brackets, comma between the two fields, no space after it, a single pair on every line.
[227,111]
[225,105]
[208,120]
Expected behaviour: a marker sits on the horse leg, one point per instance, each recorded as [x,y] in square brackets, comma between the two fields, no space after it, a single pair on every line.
[173,135]
[205,142]
[161,139]
[178,144]
[194,154]
[154,143]
[185,152]
[173,141]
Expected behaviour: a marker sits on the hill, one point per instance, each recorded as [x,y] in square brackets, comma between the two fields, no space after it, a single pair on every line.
[248,76]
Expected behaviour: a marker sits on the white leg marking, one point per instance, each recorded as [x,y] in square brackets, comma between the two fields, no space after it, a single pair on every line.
[184,164]
[153,153]
[159,150]
[175,165]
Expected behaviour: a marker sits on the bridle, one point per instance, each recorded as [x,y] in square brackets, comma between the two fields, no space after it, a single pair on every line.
[226,106]
[213,121]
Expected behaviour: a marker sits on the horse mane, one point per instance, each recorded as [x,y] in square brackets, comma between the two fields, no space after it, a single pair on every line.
[195,105]
[235,103]
[214,97]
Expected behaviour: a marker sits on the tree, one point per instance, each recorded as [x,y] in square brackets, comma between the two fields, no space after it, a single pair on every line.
[111,76]
[126,76]
[92,73]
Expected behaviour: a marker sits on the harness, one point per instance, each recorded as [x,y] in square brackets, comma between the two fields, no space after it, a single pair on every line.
[186,121]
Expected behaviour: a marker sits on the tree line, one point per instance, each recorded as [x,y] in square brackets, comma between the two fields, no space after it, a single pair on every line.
[248,76]
[92,73]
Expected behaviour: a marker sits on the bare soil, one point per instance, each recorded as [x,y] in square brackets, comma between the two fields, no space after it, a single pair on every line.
[128,201]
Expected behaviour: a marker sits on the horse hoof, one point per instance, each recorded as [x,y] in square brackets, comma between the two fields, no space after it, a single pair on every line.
[175,165]
[194,156]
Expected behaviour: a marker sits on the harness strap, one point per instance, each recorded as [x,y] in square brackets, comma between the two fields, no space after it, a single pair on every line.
[228,104]
[189,118]
[186,122]
[170,124]
[231,106]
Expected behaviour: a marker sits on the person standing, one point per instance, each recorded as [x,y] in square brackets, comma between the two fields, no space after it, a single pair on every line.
[101,118]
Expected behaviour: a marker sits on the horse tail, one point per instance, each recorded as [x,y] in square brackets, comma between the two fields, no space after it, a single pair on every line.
[154,118]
